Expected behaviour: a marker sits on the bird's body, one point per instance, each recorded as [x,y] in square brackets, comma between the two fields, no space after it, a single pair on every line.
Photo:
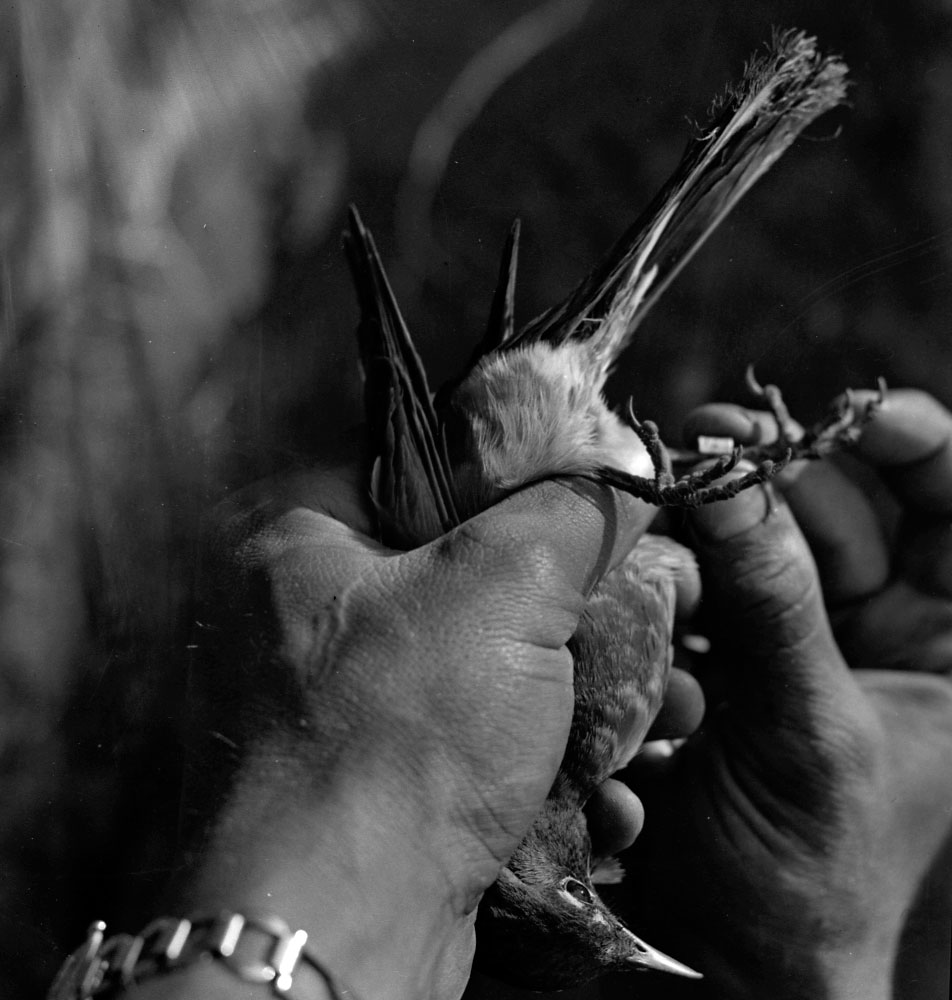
[535,412]
[622,655]
[531,406]
[629,619]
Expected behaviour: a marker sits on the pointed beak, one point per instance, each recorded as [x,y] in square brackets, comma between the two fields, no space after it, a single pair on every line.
[644,956]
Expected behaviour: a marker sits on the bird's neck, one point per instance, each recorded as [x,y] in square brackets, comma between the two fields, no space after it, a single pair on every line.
[558,838]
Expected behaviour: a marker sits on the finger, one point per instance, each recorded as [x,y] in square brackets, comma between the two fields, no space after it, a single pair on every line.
[615,816]
[899,629]
[762,584]
[682,709]
[925,555]
[577,528]
[910,439]
[840,524]
[845,534]
[745,426]
[574,527]
[517,575]
[687,590]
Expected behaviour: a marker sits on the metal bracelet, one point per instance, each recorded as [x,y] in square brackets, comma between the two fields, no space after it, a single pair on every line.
[102,966]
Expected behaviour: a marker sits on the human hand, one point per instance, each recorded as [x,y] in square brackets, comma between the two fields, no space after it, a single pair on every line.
[785,841]
[878,523]
[390,722]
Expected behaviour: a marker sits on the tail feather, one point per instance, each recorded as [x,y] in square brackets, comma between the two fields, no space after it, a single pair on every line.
[748,129]
[421,487]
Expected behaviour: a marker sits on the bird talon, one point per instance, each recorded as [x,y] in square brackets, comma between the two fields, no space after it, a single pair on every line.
[696,489]
[755,387]
[788,430]
[839,429]
[650,436]
[843,425]
[632,419]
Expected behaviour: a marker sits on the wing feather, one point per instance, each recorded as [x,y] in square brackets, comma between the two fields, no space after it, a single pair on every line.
[412,483]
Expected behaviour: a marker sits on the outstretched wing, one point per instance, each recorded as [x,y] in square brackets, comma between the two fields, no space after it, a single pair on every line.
[412,486]
[748,129]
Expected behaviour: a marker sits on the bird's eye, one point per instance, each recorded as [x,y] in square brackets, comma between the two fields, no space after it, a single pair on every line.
[579,891]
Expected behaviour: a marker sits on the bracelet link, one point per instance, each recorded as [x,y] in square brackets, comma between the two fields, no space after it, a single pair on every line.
[100,967]
[165,938]
[122,953]
[285,957]
[280,937]
[282,959]
[225,934]
[91,968]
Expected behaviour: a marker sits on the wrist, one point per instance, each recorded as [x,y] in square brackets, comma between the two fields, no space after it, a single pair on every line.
[210,955]
[810,974]
[349,863]
[861,973]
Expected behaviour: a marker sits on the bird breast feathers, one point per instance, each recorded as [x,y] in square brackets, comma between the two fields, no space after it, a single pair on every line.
[538,411]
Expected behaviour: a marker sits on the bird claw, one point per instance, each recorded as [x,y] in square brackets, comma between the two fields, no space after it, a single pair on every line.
[841,428]
[650,437]
[693,489]
[789,431]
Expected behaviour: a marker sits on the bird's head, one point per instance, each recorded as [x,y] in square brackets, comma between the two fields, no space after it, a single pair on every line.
[555,932]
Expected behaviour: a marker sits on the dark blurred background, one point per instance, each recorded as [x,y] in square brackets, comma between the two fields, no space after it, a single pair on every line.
[177,318]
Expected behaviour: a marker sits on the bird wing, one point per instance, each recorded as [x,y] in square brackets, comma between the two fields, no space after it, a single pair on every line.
[501,328]
[748,129]
[622,654]
[412,483]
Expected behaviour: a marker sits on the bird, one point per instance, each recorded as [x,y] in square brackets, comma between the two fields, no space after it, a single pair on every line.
[531,406]
[543,925]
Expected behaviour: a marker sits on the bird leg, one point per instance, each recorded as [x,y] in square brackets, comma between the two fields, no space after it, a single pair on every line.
[650,437]
[694,489]
[840,428]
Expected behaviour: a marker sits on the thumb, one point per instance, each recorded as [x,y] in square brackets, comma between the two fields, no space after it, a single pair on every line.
[762,586]
[583,528]
[520,571]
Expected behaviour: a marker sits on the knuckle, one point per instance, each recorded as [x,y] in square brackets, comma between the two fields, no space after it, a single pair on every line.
[502,558]
[508,587]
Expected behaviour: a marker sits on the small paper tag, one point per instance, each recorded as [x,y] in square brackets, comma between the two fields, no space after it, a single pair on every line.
[696,643]
[714,445]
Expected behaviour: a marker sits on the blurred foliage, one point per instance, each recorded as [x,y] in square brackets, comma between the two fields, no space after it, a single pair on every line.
[176,317]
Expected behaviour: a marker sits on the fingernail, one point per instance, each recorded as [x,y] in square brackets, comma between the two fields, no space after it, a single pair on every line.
[742,426]
[721,420]
[726,519]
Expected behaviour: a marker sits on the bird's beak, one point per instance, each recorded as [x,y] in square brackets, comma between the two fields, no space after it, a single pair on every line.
[643,956]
